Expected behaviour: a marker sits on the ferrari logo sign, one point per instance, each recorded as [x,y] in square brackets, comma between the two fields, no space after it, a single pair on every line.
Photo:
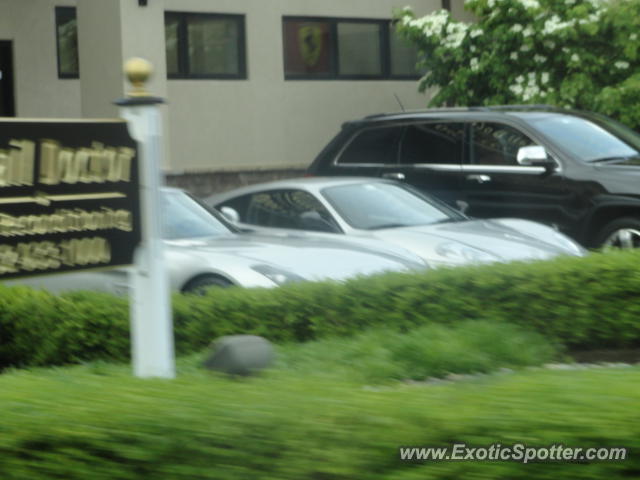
[310,41]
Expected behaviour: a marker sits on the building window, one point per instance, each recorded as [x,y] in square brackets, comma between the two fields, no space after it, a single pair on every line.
[67,42]
[201,45]
[403,57]
[340,48]
[359,49]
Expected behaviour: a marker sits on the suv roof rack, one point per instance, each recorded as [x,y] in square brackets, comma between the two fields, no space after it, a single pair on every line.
[541,106]
[476,108]
[420,110]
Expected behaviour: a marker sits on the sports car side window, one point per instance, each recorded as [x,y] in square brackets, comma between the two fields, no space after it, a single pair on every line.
[377,146]
[495,144]
[292,209]
[432,143]
[239,204]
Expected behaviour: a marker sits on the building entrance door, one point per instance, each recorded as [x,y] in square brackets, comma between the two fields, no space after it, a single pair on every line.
[7,103]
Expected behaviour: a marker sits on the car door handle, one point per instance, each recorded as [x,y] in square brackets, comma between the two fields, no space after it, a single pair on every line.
[394,175]
[479,178]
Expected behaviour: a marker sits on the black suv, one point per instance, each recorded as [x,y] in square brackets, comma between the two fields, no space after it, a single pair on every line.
[575,170]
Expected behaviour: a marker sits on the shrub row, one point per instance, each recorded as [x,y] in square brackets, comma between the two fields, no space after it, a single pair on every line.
[73,424]
[580,302]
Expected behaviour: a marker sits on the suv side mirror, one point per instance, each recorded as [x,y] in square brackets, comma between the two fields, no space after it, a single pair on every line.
[230,214]
[535,156]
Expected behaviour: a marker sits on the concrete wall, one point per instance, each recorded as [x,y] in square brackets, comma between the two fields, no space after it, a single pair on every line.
[265,121]
[110,32]
[30,25]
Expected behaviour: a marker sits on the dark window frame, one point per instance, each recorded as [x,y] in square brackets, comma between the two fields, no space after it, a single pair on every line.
[334,50]
[64,14]
[183,48]
[372,129]
[462,153]
[400,141]
[471,144]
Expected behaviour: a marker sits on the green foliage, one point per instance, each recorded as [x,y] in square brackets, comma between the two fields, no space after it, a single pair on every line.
[383,354]
[579,302]
[78,424]
[38,328]
[570,53]
[589,302]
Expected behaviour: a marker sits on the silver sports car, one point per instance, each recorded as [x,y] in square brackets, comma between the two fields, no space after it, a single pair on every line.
[393,212]
[203,250]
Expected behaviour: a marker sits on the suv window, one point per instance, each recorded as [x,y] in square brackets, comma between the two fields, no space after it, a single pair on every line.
[374,145]
[432,143]
[589,140]
[495,144]
[294,209]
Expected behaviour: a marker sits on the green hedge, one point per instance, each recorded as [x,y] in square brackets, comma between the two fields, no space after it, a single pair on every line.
[38,328]
[582,302]
[591,302]
[79,424]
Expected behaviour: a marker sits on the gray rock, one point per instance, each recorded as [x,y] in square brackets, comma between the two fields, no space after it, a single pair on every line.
[239,354]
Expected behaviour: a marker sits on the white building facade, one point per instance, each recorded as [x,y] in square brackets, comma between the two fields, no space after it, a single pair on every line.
[253,87]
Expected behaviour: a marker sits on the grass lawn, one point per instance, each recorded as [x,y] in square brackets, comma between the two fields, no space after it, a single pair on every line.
[96,421]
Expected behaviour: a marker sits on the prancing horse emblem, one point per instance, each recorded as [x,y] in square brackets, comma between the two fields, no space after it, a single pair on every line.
[310,41]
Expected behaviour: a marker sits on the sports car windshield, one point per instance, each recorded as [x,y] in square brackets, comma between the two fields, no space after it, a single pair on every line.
[371,206]
[590,141]
[185,218]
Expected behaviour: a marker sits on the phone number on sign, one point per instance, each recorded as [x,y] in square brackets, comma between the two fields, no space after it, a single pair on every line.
[48,255]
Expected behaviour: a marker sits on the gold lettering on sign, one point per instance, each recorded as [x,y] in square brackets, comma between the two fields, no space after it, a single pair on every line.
[48,155]
[49,255]
[8,259]
[16,163]
[65,221]
[98,164]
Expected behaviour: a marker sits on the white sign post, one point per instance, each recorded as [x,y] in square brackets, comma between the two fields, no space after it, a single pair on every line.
[151,322]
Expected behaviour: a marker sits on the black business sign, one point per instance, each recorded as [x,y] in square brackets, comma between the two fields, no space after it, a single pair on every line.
[69,197]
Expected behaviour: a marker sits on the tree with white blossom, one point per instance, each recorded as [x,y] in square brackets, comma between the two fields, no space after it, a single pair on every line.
[570,53]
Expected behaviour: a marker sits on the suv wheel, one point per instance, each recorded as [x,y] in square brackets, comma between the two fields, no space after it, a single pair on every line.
[621,233]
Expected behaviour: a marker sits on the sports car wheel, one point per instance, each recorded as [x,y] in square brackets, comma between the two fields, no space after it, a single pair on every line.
[622,233]
[200,285]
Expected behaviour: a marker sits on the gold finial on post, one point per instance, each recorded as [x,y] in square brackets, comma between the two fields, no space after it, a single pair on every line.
[138,72]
